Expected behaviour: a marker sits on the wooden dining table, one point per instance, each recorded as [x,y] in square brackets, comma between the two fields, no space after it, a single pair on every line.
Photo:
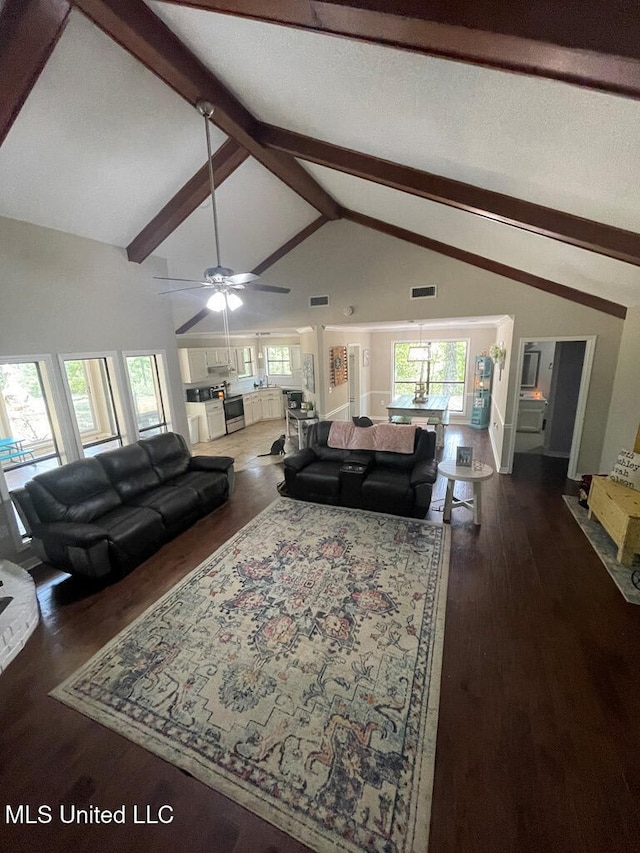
[433,410]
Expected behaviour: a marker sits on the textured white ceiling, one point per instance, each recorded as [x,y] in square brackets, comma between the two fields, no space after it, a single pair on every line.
[100,145]
[257,214]
[523,250]
[536,139]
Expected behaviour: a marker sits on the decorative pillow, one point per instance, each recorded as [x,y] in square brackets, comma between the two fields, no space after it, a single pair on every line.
[627,469]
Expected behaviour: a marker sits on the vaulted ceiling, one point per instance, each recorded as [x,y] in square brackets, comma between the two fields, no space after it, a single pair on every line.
[499,134]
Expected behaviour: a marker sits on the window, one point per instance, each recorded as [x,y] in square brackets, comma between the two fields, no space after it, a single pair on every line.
[443,374]
[278,361]
[245,362]
[28,441]
[93,404]
[146,389]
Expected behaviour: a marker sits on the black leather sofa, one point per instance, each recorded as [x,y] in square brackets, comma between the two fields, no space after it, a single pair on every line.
[382,481]
[101,516]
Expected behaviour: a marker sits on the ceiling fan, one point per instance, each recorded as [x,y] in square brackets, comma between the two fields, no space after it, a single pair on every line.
[221,280]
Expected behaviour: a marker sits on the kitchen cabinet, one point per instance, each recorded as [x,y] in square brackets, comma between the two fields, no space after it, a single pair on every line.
[211,420]
[263,406]
[219,357]
[193,365]
[272,407]
[252,408]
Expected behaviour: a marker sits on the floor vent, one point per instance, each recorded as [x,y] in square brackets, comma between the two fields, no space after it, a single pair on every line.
[317,301]
[425,292]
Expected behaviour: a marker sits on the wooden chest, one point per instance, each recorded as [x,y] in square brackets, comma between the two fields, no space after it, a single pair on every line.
[617,508]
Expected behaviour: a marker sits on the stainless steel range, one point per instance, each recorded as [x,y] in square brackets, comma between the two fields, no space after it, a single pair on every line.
[234,412]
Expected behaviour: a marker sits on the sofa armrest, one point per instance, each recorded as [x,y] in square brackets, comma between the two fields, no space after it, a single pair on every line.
[71,534]
[300,459]
[424,472]
[211,463]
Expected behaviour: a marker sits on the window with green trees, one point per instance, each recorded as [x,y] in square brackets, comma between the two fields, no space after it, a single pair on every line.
[278,361]
[146,389]
[444,373]
[92,398]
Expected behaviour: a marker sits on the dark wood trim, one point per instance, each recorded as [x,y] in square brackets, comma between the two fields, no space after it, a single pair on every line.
[225,161]
[264,265]
[29,31]
[204,312]
[139,31]
[300,237]
[523,277]
[578,43]
[565,227]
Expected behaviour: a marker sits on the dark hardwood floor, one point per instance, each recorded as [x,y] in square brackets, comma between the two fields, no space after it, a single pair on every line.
[538,746]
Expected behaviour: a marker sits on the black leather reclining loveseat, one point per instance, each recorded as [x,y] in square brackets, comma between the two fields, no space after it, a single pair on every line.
[102,516]
[383,481]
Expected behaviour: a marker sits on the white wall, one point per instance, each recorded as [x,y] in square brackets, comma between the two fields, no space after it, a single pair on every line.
[480,339]
[66,294]
[374,272]
[624,414]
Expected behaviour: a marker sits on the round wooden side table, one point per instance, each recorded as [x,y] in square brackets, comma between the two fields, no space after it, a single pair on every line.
[453,472]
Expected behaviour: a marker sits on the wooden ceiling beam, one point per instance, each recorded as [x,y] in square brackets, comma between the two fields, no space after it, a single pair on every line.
[263,265]
[581,43]
[133,25]
[558,225]
[225,161]
[552,287]
[29,30]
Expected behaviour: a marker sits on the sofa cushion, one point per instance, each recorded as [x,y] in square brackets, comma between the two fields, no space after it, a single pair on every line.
[133,533]
[320,479]
[211,488]
[387,490]
[317,438]
[178,507]
[129,470]
[77,491]
[424,449]
[168,453]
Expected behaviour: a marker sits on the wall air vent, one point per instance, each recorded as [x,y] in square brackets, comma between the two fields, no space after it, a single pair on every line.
[318,301]
[425,292]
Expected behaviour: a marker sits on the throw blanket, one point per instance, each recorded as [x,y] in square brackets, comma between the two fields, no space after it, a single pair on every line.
[396,438]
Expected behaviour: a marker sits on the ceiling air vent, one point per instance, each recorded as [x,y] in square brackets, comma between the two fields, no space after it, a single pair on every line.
[317,301]
[424,292]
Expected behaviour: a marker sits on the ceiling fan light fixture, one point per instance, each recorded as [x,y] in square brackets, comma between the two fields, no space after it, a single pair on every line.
[216,301]
[233,301]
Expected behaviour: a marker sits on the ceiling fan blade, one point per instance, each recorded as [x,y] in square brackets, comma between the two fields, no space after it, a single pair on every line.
[241,278]
[180,289]
[270,288]
[169,278]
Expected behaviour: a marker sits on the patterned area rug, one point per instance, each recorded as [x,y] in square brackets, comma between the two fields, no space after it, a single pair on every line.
[296,671]
[627,579]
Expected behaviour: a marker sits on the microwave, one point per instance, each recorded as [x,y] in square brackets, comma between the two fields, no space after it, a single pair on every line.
[201,395]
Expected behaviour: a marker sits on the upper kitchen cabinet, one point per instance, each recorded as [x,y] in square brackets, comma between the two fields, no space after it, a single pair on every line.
[219,357]
[193,365]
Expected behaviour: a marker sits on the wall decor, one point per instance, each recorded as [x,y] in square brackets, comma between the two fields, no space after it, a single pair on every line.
[338,364]
[365,358]
[308,372]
